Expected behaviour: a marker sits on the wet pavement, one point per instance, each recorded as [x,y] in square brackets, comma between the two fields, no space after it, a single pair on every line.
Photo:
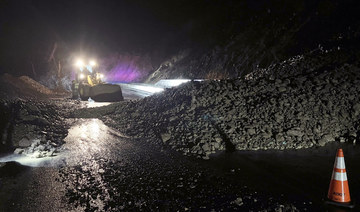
[300,175]
[99,169]
[132,91]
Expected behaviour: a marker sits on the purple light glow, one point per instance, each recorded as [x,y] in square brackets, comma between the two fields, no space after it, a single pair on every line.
[124,72]
[126,67]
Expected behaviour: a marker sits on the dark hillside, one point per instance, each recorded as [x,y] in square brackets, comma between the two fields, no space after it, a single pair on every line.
[235,38]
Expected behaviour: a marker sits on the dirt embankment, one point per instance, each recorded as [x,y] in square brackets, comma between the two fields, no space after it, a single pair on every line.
[25,87]
[306,101]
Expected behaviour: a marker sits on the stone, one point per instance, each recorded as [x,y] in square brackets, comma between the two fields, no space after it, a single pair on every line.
[206,147]
[22,130]
[165,137]
[37,155]
[18,151]
[251,131]
[278,117]
[24,142]
[266,134]
[218,139]
[322,142]
[33,109]
[353,134]
[173,118]
[278,81]
[356,109]
[206,157]
[238,201]
[325,139]
[279,137]
[282,89]
[295,132]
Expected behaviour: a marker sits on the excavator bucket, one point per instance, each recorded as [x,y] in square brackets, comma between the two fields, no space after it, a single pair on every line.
[106,93]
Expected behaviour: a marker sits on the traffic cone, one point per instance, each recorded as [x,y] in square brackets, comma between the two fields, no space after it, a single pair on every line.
[339,193]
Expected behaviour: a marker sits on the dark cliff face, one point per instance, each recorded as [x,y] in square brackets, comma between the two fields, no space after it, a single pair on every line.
[233,38]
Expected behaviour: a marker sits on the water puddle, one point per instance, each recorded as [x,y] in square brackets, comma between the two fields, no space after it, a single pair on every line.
[85,138]
[28,160]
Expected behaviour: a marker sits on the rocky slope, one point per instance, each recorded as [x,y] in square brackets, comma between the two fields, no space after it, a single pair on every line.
[236,37]
[306,101]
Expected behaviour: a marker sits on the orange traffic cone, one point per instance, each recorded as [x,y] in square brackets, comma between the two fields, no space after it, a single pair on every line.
[339,193]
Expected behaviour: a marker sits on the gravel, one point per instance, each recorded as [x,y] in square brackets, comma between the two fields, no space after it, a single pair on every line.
[28,126]
[306,101]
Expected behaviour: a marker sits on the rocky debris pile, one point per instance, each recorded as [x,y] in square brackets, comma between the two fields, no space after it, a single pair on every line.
[37,86]
[317,60]
[24,87]
[33,125]
[38,148]
[298,110]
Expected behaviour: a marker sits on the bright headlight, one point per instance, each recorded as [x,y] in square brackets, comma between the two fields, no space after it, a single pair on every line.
[81,76]
[99,76]
[92,63]
[79,63]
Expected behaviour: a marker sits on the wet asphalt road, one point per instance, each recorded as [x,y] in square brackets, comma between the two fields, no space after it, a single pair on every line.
[102,170]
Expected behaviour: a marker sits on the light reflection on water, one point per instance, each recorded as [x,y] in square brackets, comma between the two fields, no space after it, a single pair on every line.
[97,104]
[84,138]
[30,161]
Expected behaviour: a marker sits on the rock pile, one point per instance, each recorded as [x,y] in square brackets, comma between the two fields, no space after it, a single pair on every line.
[35,85]
[29,124]
[299,109]
[38,148]
[26,88]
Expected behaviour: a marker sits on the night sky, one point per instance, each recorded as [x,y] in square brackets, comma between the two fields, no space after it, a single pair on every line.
[158,28]
[29,29]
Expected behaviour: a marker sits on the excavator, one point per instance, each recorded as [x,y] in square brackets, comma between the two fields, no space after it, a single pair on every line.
[89,84]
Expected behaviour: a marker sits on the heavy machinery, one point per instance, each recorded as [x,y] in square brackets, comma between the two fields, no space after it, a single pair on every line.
[89,83]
